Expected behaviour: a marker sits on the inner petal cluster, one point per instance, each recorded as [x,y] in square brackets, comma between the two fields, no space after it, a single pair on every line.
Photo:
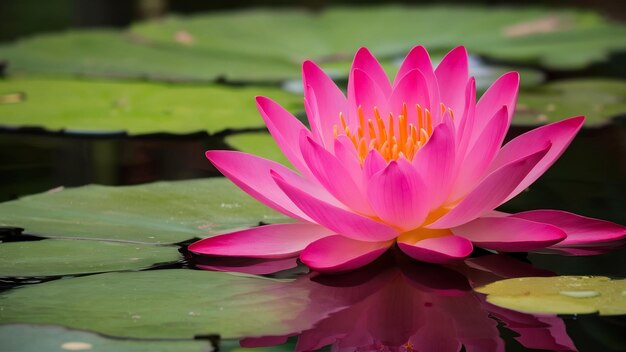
[393,137]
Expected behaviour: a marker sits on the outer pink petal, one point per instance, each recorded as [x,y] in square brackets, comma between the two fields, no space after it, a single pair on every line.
[396,194]
[580,230]
[452,76]
[339,253]
[341,221]
[285,128]
[254,266]
[269,241]
[477,161]
[509,234]
[560,134]
[411,90]
[437,250]
[502,92]
[490,192]
[328,98]
[365,61]
[435,163]
[332,175]
[252,175]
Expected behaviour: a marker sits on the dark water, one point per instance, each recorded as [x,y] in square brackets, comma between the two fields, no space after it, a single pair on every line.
[393,304]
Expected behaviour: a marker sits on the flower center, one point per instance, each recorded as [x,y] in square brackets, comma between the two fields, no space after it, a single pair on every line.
[393,138]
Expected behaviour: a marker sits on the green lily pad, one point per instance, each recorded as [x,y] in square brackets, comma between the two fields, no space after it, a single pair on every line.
[69,257]
[263,45]
[599,100]
[36,338]
[118,54]
[559,295]
[261,144]
[176,303]
[135,108]
[160,213]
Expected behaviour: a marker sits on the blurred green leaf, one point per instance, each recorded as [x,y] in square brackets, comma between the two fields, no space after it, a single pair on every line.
[263,45]
[597,99]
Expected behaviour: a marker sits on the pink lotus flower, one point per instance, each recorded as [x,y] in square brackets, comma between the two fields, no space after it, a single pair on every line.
[417,163]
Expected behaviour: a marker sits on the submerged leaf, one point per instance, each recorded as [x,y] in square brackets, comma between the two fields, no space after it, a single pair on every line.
[161,212]
[69,257]
[559,295]
[260,144]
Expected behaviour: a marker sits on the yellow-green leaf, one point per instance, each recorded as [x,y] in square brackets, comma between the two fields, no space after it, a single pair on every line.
[559,295]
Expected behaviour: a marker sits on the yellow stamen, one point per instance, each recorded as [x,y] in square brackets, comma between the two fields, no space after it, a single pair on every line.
[370,126]
[374,134]
[343,121]
[403,127]
[429,122]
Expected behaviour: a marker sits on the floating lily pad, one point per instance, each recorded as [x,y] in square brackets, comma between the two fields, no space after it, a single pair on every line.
[162,212]
[68,257]
[598,100]
[135,108]
[559,295]
[176,303]
[261,45]
[117,54]
[35,338]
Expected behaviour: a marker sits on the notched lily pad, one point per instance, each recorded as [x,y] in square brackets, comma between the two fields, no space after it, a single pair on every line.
[176,303]
[32,338]
[159,213]
[69,257]
[134,108]
[559,295]
[599,100]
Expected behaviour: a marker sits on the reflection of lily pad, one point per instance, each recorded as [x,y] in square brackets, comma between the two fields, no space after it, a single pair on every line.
[598,100]
[177,303]
[269,45]
[559,295]
[162,212]
[68,257]
[30,338]
[136,108]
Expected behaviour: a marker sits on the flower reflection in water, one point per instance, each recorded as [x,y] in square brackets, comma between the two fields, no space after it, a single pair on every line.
[396,304]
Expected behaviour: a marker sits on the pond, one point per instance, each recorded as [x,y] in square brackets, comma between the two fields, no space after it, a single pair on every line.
[106,186]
